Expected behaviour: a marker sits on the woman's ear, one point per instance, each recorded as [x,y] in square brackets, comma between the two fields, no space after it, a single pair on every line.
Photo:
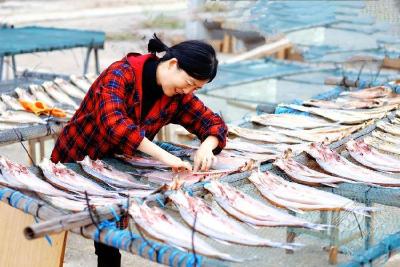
[172,63]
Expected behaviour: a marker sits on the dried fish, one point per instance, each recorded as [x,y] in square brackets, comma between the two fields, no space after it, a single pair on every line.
[18,176]
[372,158]
[69,89]
[333,163]
[41,95]
[251,211]
[388,127]
[297,197]
[142,162]
[290,121]
[22,117]
[52,89]
[264,136]
[386,137]
[302,174]
[11,102]
[346,116]
[373,92]
[109,175]
[80,82]
[344,103]
[62,177]
[158,224]
[201,216]
[383,145]
[24,95]
[329,134]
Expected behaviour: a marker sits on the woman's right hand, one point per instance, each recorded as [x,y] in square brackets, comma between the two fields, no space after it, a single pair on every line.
[176,163]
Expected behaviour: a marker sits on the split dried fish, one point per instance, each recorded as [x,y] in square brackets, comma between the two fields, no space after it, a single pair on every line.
[382,145]
[207,220]
[386,137]
[264,136]
[159,225]
[297,197]
[372,158]
[373,92]
[346,116]
[290,121]
[251,211]
[388,127]
[344,104]
[69,88]
[109,175]
[333,163]
[302,174]
[62,177]
[18,176]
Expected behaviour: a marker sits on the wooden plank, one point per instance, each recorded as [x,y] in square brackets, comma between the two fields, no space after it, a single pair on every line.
[15,250]
[391,63]
[264,50]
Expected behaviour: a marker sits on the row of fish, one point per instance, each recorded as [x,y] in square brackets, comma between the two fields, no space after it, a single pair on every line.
[53,94]
[66,189]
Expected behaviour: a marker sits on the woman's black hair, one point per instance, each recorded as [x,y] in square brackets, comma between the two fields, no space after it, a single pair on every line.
[195,57]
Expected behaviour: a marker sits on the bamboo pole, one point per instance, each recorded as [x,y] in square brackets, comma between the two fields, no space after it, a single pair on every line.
[70,221]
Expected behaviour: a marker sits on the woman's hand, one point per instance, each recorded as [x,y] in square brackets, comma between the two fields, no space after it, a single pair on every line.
[204,158]
[167,158]
[176,163]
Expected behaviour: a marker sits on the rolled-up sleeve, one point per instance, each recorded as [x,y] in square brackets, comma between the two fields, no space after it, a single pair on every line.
[201,121]
[112,118]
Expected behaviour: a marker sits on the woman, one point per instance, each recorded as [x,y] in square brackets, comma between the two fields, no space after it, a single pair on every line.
[132,99]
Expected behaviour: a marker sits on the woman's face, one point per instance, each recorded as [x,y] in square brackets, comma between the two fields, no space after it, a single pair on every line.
[176,81]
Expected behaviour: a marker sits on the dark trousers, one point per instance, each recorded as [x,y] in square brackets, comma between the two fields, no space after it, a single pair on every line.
[107,256]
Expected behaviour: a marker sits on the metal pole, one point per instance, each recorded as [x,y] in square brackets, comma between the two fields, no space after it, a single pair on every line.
[96,60]
[14,66]
[1,67]
[86,63]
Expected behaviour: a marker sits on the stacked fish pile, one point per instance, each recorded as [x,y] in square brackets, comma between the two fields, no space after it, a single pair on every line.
[58,98]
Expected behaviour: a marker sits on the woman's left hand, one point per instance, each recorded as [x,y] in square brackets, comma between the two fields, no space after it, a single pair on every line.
[204,158]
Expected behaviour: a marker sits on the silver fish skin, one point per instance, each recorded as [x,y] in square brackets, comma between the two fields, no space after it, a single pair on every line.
[62,177]
[161,226]
[69,88]
[205,219]
[11,102]
[52,89]
[21,117]
[109,175]
[80,82]
[23,94]
[253,212]
[41,95]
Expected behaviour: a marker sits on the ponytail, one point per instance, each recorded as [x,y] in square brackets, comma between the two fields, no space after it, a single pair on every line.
[156,45]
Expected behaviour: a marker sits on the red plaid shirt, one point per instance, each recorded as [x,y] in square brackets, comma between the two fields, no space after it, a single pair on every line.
[108,119]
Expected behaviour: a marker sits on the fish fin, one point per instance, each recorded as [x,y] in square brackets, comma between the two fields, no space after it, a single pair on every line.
[330,184]
[295,210]
[252,225]
[223,242]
